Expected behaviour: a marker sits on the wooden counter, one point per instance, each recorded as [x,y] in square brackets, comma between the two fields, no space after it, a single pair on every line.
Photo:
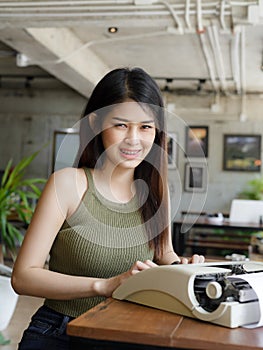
[123,325]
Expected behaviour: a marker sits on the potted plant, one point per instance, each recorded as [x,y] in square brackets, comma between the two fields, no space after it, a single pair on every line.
[18,196]
[253,190]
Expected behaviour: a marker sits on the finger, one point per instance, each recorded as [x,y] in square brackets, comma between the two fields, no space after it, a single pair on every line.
[201,259]
[139,265]
[184,261]
[195,259]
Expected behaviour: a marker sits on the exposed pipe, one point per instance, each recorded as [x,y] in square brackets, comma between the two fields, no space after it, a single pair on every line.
[96,3]
[208,61]
[50,3]
[235,60]
[222,14]
[201,32]
[243,115]
[132,8]
[109,2]
[243,59]
[215,44]
[200,28]
[187,14]
[104,8]
[174,15]
[11,16]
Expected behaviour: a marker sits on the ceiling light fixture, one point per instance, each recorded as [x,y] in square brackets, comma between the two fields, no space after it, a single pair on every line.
[112,30]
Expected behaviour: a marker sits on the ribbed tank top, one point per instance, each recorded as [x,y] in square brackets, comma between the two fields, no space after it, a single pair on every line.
[101,239]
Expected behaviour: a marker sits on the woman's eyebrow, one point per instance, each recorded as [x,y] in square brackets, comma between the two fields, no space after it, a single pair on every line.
[128,121]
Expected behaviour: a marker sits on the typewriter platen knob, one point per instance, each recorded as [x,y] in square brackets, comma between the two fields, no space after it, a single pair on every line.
[213,290]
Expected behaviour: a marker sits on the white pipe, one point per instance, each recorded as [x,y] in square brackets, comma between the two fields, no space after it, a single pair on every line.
[129,13]
[219,57]
[214,40]
[243,115]
[15,10]
[180,8]
[51,3]
[97,2]
[110,2]
[222,14]
[235,60]
[243,3]
[200,28]
[81,14]
[102,4]
[187,14]
[208,61]
[174,15]
[99,9]
[243,60]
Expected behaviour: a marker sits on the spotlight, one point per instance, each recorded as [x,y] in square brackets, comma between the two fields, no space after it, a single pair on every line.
[112,30]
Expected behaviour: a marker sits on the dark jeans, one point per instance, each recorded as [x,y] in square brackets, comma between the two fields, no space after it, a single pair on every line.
[46,331]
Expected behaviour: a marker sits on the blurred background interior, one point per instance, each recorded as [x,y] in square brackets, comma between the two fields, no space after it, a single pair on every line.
[207,58]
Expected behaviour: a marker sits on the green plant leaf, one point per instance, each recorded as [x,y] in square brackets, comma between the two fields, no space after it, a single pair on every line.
[6,172]
[253,189]
[3,341]
[17,194]
[18,171]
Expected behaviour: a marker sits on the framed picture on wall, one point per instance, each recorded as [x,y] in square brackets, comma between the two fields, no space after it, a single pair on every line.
[65,148]
[195,179]
[196,144]
[242,152]
[172,150]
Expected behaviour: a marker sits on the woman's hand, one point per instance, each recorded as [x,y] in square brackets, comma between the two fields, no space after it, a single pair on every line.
[195,259]
[106,287]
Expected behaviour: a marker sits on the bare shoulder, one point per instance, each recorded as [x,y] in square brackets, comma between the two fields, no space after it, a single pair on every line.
[70,185]
[70,175]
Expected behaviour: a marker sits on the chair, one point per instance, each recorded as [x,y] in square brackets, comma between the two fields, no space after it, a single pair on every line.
[8,298]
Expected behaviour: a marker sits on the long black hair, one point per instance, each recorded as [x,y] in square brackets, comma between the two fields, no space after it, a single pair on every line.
[118,86]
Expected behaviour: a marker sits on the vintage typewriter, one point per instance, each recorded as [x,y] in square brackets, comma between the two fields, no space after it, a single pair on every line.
[213,292]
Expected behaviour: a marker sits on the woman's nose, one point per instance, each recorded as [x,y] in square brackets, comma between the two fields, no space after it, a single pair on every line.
[132,136]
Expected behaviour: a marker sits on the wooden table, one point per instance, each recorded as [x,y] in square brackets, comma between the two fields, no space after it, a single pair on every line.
[116,324]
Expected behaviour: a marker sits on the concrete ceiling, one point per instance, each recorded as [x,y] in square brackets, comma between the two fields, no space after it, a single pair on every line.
[187,46]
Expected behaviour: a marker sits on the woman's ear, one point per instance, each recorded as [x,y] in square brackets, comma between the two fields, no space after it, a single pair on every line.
[94,122]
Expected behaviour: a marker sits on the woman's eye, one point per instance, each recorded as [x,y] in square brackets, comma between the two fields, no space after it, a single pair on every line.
[120,125]
[147,126]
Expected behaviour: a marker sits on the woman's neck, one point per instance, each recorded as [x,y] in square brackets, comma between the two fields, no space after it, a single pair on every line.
[115,184]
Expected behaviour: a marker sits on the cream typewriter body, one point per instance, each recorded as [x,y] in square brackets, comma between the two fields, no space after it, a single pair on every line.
[212,292]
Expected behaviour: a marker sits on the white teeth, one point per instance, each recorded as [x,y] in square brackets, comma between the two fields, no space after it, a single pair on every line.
[130,152]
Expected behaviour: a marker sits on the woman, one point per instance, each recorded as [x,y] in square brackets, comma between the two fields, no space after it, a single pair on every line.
[107,218]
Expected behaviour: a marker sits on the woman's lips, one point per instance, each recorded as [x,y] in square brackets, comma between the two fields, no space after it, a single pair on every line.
[130,154]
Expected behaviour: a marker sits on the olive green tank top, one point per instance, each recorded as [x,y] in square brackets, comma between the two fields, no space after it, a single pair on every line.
[101,239]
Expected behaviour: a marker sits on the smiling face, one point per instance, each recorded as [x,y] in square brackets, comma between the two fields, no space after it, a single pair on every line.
[128,134]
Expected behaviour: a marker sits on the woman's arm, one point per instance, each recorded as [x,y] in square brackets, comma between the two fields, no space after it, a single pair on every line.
[60,198]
